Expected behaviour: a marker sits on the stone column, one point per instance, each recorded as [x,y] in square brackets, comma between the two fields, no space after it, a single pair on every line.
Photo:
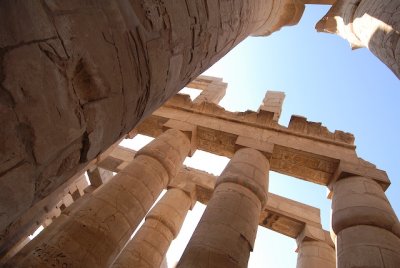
[227,230]
[84,73]
[365,224]
[92,234]
[367,23]
[150,244]
[315,254]
[315,248]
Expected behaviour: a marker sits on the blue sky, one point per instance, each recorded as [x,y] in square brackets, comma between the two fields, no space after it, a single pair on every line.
[327,82]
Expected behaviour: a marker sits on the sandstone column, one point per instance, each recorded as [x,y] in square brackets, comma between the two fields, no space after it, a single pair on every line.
[162,225]
[367,23]
[94,233]
[315,254]
[315,248]
[365,224]
[226,232]
[84,73]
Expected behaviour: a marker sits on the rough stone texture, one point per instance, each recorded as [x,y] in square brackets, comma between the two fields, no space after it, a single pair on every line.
[367,247]
[227,230]
[150,244]
[306,150]
[360,201]
[273,102]
[315,254]
[368,23]
[365,225]
[92,234]
[86,72]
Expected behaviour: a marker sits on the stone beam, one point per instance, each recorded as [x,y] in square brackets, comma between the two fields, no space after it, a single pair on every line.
[280,214]
[305,150]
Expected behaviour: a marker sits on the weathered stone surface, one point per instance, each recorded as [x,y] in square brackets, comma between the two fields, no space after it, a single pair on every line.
[360,201]
[163,223]
[367,23]
[84,73]
[315,254]
[367,246]
[93,233]
[227,230]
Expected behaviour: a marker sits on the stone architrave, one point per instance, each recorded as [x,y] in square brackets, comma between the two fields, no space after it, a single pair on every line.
[150,244]
[227,230]
[93,234]
[84,73]
[367,23]
[366,227]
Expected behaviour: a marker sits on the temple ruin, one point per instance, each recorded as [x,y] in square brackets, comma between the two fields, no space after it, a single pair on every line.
[77,77]
[91,223]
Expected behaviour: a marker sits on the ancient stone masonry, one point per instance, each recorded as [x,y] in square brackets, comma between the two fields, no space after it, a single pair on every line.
[93,220]
[367,23]
[84,73]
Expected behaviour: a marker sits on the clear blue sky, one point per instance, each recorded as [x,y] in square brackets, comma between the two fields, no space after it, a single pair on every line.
[327,82]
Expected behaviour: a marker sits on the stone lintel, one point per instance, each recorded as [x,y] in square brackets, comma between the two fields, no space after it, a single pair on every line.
[361,168]
[280,214]
[264,147]
[187,128]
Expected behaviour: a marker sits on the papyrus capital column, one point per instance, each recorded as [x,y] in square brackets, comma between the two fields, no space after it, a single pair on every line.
[227,230]
[315,249]
[365,224]
[162,225]
[367,23]
[94,233]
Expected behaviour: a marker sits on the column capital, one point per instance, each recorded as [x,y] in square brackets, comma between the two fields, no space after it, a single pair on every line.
[248,168]
[170,149]
[312,233]
[361,201]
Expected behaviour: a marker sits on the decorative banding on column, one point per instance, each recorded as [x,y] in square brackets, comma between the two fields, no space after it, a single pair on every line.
[367,246]
[249,174]
[172,146]
[163,223]
[226,232]
[363,222]
[361,201]
[315,254]
[171,210]
[93,234]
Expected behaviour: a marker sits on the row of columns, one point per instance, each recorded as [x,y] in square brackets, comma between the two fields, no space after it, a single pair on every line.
[96,233]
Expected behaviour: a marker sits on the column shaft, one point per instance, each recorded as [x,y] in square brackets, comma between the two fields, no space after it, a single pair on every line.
[365,225]
[226,232]
[94,233]
[316,254]
[368,23]
[99,68]
[162,225]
